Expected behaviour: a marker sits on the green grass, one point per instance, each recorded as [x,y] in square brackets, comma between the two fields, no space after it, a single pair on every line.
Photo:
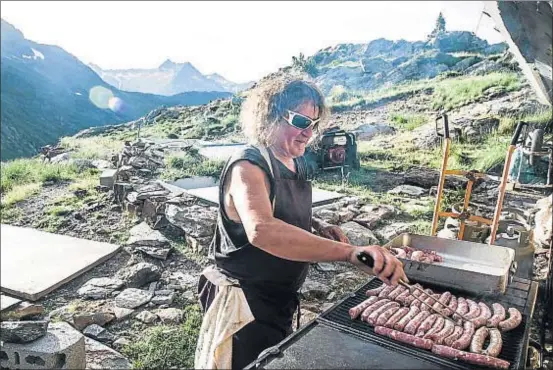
[95,147]
[507,124]
[165,347]
[187,164]
[453,93]
[19,193]
[407,121]
[30,170]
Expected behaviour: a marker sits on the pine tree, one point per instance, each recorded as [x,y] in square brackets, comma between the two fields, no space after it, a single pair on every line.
[439,27]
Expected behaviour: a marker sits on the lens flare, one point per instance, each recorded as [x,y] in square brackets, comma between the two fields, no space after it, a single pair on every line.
[100,96]
[115,104]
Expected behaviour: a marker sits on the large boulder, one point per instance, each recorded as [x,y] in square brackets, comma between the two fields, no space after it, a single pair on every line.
[22,331]
[358,235]
[139,274]
[458,41]
[196,221]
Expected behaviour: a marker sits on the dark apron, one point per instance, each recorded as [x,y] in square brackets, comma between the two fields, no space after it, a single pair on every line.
[270,283]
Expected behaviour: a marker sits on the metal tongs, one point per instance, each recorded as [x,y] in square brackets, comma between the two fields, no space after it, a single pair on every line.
[369,261]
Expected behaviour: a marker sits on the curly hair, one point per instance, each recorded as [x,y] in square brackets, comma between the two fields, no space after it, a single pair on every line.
[263,109]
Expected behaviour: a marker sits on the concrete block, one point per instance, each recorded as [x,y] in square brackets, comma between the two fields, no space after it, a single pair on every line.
[61,348]
[107,178]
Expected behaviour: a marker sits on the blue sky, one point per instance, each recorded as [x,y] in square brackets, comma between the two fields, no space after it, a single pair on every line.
[240,40]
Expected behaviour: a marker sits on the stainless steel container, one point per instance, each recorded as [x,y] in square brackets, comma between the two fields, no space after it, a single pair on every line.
[472,267]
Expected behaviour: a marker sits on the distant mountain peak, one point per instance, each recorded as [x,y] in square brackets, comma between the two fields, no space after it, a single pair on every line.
[168,64]
[9,32]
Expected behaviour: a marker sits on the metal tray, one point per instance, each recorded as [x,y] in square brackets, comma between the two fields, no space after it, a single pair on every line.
[471,267]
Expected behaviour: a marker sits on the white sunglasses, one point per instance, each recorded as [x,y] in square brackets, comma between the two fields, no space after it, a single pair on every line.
[300,121]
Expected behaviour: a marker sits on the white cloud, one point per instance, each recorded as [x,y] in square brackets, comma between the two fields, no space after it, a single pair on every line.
[240,40]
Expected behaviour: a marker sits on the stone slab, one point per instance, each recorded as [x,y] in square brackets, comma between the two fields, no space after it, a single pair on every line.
[107,178]
[211,195]
[219,152]
[34,263]
[7,302]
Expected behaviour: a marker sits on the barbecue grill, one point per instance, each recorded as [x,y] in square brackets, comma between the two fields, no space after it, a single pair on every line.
[334,340]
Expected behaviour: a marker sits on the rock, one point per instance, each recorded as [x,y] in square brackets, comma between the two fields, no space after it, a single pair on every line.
[198,245]
[121,313]
[372,215]
[312,289]
[22,311]
[329,216]
[346,216]
[101,164]
[100,356]
[121,342]
[390,231]
[170,315]
[189,296]
[82,320]
[358,235]
[367,131]
[99,288]
[414,191]
[180,279]
[143,235]
[146,317]
[132,197]
[60,158]
[138,275]
[98,333]
[159,253]
[132,298]
[22,331]
[543,221]
[196,221]
[163,297]
[428,178]
[115,208]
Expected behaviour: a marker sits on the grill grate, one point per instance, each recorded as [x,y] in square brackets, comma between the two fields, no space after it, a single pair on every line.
[515,342]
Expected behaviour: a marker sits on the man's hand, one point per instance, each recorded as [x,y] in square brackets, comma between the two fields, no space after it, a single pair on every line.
[386,267]
[333,232]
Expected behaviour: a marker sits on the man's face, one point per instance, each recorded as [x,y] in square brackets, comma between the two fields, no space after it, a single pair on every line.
[293,140]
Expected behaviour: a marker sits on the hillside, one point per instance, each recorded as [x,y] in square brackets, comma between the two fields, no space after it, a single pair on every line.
[168,79]
[46,94]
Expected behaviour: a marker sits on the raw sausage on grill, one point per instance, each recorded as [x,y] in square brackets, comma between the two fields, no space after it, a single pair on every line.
[355,311]
[464,340]
[384,316]
[439,336]
[411,297]
[396,292]
[438,325]
[396,317]
[371,319]
[413,311]
[498,315]
[404,337]
[514,320]
[485,314]
[472,358]
[426,325]
[387,290]
[375,306]
[478,339]
[413,325]
[452,305]
[376,291]
[496,343]
[457,332]
[474,310]
[443,299]
[429,300]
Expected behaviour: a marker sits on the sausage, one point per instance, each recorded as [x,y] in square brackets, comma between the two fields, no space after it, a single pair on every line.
[474,310]
[370,309]
[439,336]
[371,319]
[471,358]
[438,325]
[478,339]
[413,311]
[403,296]
[386,291]
[464,340]
[457,332]
[429,300]
[462,306]
[444,299]
[355,311]
[496,343]
[426,324]
[384,316]
[411,297]
[514,320]
[404,337]
[452,305]
[499,315]
[485,314]
[396,292]
[413,325]
[417,255]
[396,317]
[376,291]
